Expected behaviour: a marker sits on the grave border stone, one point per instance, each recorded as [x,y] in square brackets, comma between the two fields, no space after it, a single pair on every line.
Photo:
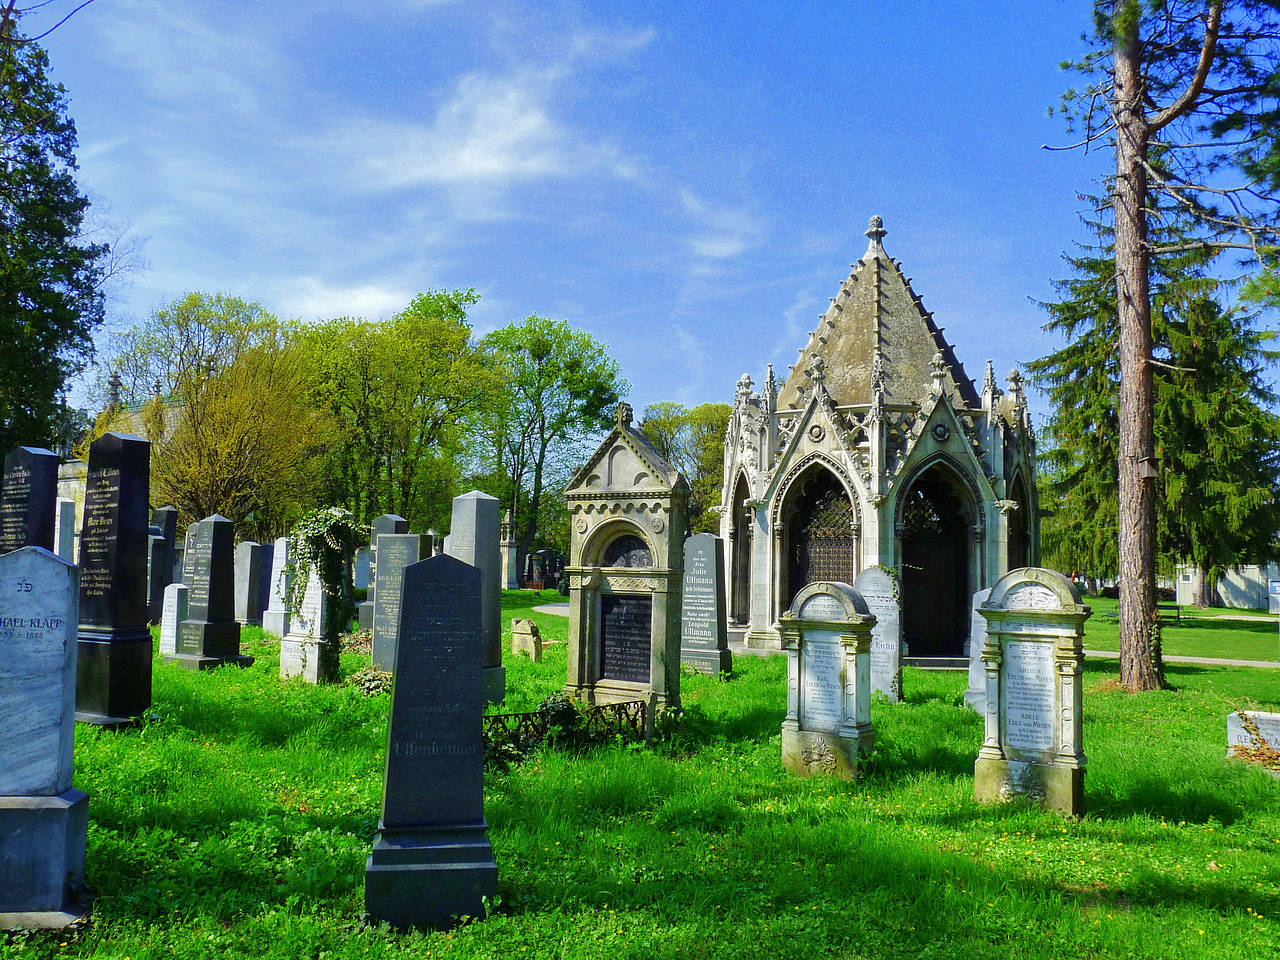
[1041,611]
[805,749]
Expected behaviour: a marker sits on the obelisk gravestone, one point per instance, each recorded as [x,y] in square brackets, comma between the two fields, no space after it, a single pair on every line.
[113,684]
[432,862]
[473,538]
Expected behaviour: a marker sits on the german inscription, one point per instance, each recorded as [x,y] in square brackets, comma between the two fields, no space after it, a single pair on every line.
[1028,695]
[625,636]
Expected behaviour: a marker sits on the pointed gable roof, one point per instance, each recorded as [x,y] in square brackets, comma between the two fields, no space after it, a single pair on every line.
[877,311]
[655,469]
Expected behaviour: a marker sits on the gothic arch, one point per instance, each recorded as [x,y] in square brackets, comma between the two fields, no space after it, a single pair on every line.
[806,463]
[1020,526]
[741,532]
[816,528]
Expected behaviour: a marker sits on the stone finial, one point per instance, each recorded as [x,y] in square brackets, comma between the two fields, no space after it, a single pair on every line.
[1017,393]
[875,234]
[114,385]
[877,372]
[155,387]
[817,370]
[939,371]
[770,384]
[989,383]
[625,415]
[745,384]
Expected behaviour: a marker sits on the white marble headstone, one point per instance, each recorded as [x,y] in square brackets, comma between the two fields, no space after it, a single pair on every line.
[821,681]
[976,695]
[39,614]
[880,590]
[275,619]
[173,612]
[64,529]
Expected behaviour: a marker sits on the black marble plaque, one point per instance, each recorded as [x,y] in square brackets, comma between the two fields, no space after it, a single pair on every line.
[28,498]
[395,552]
[626,622]
[113,537]
[435,762]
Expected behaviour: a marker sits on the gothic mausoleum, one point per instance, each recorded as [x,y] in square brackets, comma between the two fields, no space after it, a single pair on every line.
[877,449]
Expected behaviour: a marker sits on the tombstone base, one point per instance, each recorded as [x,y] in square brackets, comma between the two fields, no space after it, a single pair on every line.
[1055,786]
[712,662]
[42,842]
[249,622]
[364,614]
[429,877]
[494,683]
[196,661]
[113,675]
[206,640]
[311,660]
[275,621]
[762,640]
[808,752]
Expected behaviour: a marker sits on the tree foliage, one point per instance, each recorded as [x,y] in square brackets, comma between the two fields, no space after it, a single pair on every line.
[50,277]
[692,440]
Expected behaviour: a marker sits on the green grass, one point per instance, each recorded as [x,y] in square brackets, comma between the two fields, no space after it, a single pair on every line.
[1202,633]
[238,826]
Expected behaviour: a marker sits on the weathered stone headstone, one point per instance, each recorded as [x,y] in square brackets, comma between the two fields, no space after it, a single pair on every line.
[395,551]
[387,523]
[43,820]
[526,639]
[360,570]
[210,636]
[64,529]
[28,493]
[704,627]
[113,685]
[1265,732]
[275,619]
[1033,660]
[248,586]
[976,695]
[827,637]
[510,564]
[432,862]
[473,538]
[302,650]
[879,587]
[174,610]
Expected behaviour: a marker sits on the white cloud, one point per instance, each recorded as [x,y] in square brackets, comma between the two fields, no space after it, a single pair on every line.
[724,232]
[314,297]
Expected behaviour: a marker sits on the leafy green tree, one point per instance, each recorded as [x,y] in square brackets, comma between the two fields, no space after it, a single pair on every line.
[692,440]
[1185,79]
[404,394]
[50,278]
[561,385]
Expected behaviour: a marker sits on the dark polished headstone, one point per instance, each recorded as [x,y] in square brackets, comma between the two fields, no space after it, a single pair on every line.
[113,682]
[704,627]
[155,576]
[248,582]
[210,636]
[28,498]
[626,622]
[385,524]
[432,862]
[395,552]
[266,561]
[164,524]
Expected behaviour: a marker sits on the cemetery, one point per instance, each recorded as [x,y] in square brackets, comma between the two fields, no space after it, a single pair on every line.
[366,624]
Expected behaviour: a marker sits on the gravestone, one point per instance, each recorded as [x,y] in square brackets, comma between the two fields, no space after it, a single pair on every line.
[28,493]
[704,628]
[64,530]
[275,619]
[473,538]
[174,610]
[164,524]
[432,862]
[827,638]
[1033,660]
[266,563]
[156,576]
[113,661]
[526,639]
[360,571]
[303,651]
[510,563]
[248,582]
[976,695]
[189,555]
[43,819]
[1264,735]
[387,523]
[210,636]
[395,551]
[879,587]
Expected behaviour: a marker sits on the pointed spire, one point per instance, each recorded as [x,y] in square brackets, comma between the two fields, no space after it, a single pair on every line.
[770,384]
[875,234]
[114,385]
[989,384]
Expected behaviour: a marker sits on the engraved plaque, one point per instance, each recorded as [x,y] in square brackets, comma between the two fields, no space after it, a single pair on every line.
[1031,596]
[822,607]
[821,662]
[625,636]
[1028,695]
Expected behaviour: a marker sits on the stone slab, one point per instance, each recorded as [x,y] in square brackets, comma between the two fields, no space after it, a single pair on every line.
[64,530]
[275,619]
[248,582]
[173,612]
[42,843]
[396,551]
[880,589]
[976,695]
[1268,728]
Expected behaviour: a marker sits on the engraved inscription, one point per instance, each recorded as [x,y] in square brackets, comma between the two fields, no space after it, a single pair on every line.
[625,637]
[1031,596]
[700,607]
[1028,695]
[822,607]
[821,661]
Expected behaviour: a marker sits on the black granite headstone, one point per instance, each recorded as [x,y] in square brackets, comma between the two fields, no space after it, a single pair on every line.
[210,636]
[164,524]
[266,559]
[28,498]
[432,862]
[156,552]
[626,638]
[395,552]
[387,523]
[704,630]
[189,554]
[113,680]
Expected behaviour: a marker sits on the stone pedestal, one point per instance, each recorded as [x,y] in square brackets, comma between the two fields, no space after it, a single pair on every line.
[827,636]
[42,841]
[1033,660]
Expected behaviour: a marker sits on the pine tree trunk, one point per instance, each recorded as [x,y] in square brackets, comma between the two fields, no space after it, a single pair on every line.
[1139,625]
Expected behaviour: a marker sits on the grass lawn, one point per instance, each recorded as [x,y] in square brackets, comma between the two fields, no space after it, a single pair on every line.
[238,826]
[1202,633]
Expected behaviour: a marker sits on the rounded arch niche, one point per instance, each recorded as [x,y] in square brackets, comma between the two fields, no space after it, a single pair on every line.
[817,524]
[936,514]
[619,543]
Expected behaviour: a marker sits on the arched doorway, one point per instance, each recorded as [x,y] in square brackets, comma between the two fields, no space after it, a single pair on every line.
[1019,546]
[740,532]
[935,565]
[819,542]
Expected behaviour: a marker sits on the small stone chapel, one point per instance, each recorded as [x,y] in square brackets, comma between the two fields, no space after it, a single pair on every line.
[877,449]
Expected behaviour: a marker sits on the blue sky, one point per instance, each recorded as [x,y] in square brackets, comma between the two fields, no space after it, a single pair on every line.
[687,181]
